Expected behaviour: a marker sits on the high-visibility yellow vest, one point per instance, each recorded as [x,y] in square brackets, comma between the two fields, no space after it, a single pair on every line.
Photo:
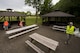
[70,30]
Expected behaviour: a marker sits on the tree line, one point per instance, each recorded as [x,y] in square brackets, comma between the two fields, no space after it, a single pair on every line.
[46,6]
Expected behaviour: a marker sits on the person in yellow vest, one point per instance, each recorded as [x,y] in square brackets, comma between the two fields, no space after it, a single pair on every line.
[5,25]
[69,31]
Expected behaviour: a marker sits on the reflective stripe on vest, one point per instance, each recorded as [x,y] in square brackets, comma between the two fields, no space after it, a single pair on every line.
[70,30]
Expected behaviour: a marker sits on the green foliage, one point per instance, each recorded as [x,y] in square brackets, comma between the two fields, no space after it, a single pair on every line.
[69,6]
[28,13]
[46,7]
[31,20]
[42,6]
[35,3]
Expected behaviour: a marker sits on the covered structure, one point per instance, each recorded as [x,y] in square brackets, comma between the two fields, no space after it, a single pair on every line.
[57,17]
[9,14]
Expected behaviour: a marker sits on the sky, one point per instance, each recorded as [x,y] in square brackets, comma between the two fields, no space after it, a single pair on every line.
[18,5]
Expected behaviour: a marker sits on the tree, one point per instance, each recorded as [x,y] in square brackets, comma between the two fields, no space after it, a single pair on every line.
[28,13]
[42,6]
[69,6]
[36,4]
[46,7]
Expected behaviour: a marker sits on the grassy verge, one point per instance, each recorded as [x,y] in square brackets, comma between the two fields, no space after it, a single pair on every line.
[29,20]
[32,20]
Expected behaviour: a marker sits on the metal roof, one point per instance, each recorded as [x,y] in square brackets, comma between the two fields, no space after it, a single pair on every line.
[6,13]
[57,14]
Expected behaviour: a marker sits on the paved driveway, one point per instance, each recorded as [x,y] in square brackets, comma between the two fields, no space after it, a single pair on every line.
[17,45]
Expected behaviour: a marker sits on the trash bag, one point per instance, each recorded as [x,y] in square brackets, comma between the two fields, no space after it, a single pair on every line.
[77,33]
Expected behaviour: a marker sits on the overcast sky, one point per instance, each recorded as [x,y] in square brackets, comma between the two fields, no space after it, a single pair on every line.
[18,5]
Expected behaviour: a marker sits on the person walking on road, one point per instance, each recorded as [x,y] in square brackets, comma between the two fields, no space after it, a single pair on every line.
[69,31]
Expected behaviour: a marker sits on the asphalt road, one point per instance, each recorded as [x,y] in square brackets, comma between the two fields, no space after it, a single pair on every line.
[17,45]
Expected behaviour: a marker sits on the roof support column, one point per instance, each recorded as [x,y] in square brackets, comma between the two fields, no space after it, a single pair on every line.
[18,18]
[4,18]
[9,18]
[24,20]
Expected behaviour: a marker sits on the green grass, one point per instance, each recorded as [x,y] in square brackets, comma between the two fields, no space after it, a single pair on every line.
[13,19]
[29,20]
[32,20]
